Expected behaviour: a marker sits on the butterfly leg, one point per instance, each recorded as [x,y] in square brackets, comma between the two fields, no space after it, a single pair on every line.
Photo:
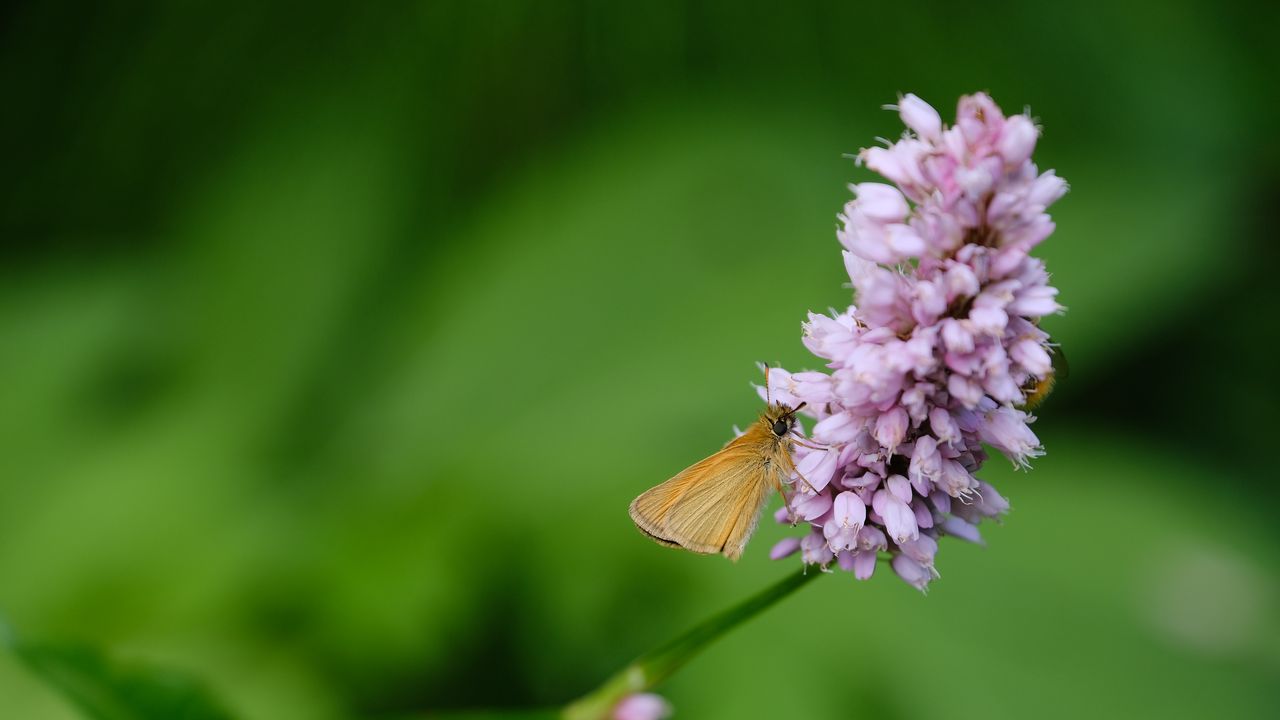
[791,468]
[796,439]
[775,479]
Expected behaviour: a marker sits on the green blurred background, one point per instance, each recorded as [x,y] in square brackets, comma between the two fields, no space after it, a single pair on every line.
[334,341]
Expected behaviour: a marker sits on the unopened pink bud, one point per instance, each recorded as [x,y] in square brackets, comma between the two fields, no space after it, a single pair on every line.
[881,202]
[891,427]
[962,529]
[864,564]
[1018,139]
[814,550]
[944,426]
[899,520]
[912,572]
[784,547]
[920,117]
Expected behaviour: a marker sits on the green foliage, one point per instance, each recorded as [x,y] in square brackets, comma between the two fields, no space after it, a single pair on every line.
[108,690]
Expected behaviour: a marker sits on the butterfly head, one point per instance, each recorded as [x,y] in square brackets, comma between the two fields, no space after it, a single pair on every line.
[781,418]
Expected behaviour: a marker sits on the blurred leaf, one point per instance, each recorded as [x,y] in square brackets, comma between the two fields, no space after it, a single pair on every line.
[109,690]
[542,714]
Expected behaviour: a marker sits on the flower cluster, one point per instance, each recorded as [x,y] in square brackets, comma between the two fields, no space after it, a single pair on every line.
[940,351]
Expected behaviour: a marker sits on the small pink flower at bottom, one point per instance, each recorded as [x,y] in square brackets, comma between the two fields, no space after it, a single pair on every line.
[642,706]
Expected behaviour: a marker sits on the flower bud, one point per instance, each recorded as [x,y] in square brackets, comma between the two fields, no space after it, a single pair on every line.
[920,117]
[911,572]
[891,428]
[784,547]
[864,564]
[814,550]
[880,202]
[899,520]
[1017,139]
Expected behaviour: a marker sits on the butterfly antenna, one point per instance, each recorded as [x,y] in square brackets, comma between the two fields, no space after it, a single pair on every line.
[767,400]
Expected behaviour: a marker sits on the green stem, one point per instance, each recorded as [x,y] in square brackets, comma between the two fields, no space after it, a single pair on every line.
[650,669]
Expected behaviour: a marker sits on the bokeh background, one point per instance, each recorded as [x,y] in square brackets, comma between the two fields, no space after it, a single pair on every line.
[335,339]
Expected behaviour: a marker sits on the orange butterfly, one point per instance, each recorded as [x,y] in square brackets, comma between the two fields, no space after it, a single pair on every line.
[713,506]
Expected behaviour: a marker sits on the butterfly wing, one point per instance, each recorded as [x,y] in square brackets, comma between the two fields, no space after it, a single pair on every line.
[713,505]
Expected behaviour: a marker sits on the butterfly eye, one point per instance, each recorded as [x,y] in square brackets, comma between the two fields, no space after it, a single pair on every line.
[780,427]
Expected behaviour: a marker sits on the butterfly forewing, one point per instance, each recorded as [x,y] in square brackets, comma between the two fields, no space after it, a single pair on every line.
[712,506]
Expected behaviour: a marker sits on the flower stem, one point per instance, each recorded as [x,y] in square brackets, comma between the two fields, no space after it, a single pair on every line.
[650,669]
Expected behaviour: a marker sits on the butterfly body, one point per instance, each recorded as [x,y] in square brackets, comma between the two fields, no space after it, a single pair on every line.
[713,505]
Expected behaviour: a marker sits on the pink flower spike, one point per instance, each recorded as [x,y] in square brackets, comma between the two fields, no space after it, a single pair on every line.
[642,706]
[926,369]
